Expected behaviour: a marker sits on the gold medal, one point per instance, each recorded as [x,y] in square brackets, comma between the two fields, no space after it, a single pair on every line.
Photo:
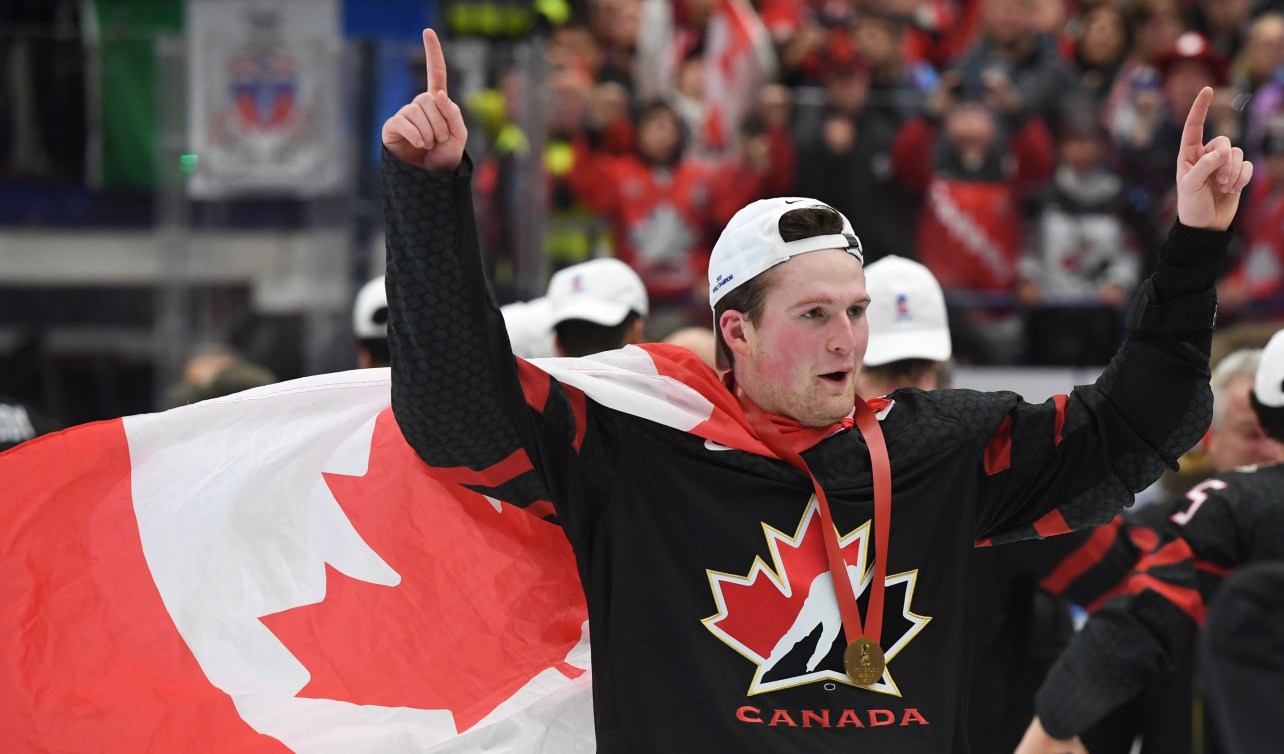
[864,661]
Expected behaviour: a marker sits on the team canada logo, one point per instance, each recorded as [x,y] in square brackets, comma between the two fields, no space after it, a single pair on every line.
[784,616]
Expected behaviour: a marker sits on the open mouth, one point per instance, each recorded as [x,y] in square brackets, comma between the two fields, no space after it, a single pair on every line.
[837,378]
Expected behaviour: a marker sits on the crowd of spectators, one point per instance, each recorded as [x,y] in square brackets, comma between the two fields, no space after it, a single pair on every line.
[1021,149]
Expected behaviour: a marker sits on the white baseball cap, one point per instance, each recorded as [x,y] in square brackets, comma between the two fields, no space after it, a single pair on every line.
[530,328]
[907,318]
[1268,388]
[370,311]
[601,291]
[1267,397]
[751,244]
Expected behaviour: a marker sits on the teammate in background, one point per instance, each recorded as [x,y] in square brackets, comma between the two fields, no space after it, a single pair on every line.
[1242,654]
[590,307]
[909,329]
[670,496]
[370,324]
[1231,519]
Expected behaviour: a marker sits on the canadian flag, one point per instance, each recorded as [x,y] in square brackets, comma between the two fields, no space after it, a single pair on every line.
[277,571]
[739,58]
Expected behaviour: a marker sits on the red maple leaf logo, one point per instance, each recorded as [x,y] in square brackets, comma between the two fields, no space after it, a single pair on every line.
[784,616]
[487,599]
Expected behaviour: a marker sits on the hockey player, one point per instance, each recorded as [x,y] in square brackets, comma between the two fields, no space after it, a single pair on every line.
[704,513]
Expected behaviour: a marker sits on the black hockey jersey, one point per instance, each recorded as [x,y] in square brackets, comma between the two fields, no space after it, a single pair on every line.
[712,615]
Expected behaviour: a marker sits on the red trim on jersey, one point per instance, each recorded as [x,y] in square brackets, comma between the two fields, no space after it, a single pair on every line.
[1172,553]
[1145,539]
[535,384]
[1051,524]
[505,471]
[998,453]
[575,397]
[987,542]
[541,508]
[1083,558]
[1207,566]
[1187,599]
[1060,401]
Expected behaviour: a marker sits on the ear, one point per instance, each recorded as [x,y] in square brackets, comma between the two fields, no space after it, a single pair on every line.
[738,332]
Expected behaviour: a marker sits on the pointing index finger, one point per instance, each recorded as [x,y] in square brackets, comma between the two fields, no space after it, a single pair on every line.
[1193,133]
[435,61]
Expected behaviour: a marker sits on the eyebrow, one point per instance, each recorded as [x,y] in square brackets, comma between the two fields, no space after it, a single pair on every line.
[827,301]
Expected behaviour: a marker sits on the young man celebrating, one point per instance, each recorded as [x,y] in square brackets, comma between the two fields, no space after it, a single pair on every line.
[770,565]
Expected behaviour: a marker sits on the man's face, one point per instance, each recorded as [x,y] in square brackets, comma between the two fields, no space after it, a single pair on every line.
[1238,440]
[802,357]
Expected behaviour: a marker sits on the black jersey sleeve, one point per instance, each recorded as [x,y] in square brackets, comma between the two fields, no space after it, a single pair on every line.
[460,397]
[1220,524]
[1074,461]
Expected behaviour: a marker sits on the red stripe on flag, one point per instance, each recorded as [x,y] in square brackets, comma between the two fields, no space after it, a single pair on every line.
[1051,524]
[1060,401]
[998,453]
[92,660]
[1082,559]
[535,384]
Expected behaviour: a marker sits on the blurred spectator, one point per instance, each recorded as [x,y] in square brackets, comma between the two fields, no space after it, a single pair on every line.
[235,378]
[1224,24]
[1254,288]
[811,37]
[763,164]
[1012,46]
[370,325]
[845,161]
[896,85]
[213,371]
[939,31]
[615,25]
[1079,268]
[1155,26]
[1258,80]
[1149,136]
[976,157]
[1103,45]
[660,206]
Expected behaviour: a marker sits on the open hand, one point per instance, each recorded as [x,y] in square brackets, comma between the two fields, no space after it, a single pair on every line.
[429,132]
[1210,176]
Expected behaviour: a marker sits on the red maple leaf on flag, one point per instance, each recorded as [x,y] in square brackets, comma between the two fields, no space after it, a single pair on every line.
[758,608]
[487,599]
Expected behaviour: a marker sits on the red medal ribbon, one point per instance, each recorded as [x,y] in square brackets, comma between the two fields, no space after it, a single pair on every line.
[882,478]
